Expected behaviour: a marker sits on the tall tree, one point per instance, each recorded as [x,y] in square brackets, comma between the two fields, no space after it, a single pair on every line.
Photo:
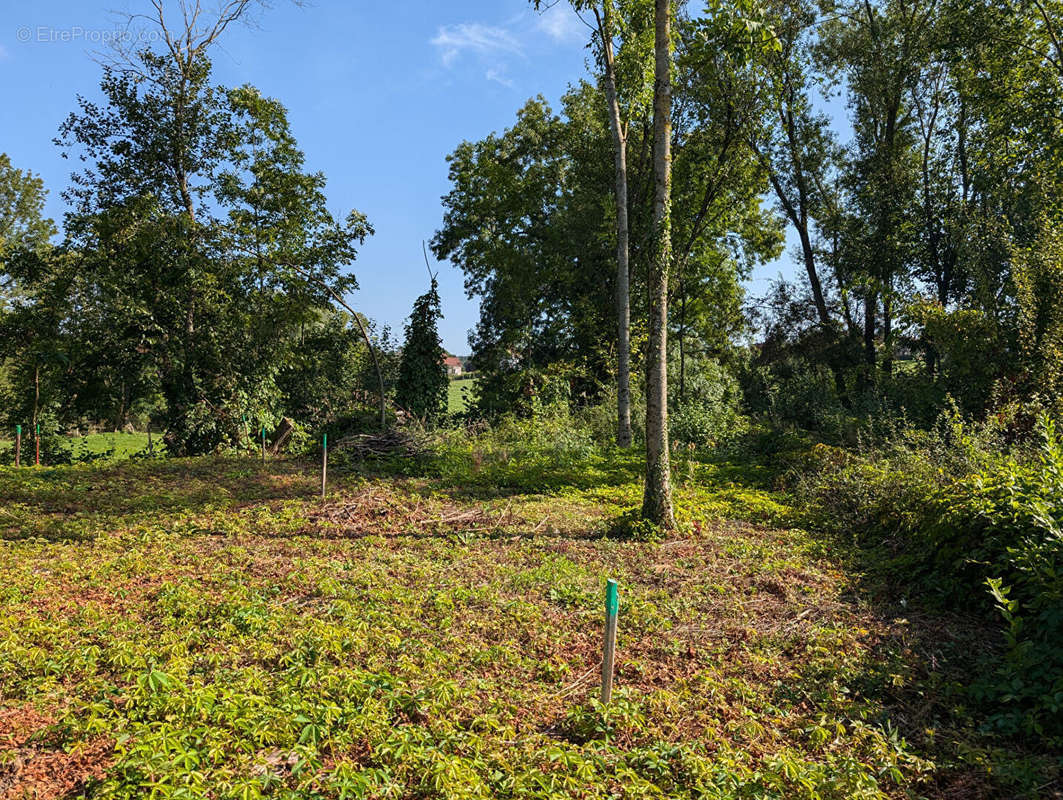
[527,222]
[623,230]
[23,225]
[626,23]
[201,239]
[796,146]
[720,227]
[885,48]
[657,497]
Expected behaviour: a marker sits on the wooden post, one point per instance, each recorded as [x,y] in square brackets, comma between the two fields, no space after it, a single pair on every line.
[609,647]
[324,463]
[18,445]
[37,446]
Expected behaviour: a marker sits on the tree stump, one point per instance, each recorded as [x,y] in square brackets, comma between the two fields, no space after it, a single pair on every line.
[281,435]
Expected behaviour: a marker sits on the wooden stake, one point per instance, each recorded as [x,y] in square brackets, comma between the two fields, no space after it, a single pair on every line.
[324,463]
[612,604]
[18,445]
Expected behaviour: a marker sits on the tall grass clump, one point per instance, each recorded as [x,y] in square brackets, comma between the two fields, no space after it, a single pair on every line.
[546,450]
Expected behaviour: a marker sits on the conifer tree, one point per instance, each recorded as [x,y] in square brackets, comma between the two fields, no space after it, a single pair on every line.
[422,384]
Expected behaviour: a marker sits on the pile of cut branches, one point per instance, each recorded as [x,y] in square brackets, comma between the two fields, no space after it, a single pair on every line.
[363,446]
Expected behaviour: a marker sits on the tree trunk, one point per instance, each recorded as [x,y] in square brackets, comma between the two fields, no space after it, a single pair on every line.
[813,274]
[657,500]
[821,306]
[870,310]
[623,299]
[36,396]
[682,343]
[887,334]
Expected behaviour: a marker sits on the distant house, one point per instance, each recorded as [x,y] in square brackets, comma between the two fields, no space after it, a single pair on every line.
[453,365]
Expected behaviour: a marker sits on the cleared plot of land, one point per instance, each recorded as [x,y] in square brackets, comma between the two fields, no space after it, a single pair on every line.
[209,628]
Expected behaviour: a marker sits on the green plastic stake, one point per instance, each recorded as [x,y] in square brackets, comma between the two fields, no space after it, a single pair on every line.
[612,605]
[263,444]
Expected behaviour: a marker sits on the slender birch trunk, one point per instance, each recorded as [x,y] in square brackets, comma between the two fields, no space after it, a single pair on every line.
[657,500]
[623,300]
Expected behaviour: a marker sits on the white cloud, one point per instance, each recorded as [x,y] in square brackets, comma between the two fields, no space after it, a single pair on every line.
[560,23]
[472,37]
[497,76]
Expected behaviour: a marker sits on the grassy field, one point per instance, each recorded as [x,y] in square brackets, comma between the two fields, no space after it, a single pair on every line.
[121,445]
[212,628]
[458,390]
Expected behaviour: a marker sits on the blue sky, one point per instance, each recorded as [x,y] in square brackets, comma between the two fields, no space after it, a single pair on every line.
[378,94]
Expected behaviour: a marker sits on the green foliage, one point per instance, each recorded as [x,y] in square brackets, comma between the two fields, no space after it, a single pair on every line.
[425,661]
[792,391]
[23,226]
[326,371]
[631,526]
[422,384]
[1039,291]
[709,408]
[951,512]
[530,220]
[969,350]
[197,256]
[548,449]
[1010,524]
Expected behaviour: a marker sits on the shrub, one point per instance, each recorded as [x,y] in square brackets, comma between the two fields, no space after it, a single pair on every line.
[709,408]
[1006,525]
[793,392]
[954,511]
[545,450]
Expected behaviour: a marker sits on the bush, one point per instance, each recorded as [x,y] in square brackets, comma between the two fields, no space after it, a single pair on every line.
[1006,527]
[547,450]
[600,418]
[954,511]
[710,407]
[792,392]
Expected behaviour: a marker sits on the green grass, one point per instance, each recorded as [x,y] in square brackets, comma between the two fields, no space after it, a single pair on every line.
[123,445]
[211,628]
[458,391]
